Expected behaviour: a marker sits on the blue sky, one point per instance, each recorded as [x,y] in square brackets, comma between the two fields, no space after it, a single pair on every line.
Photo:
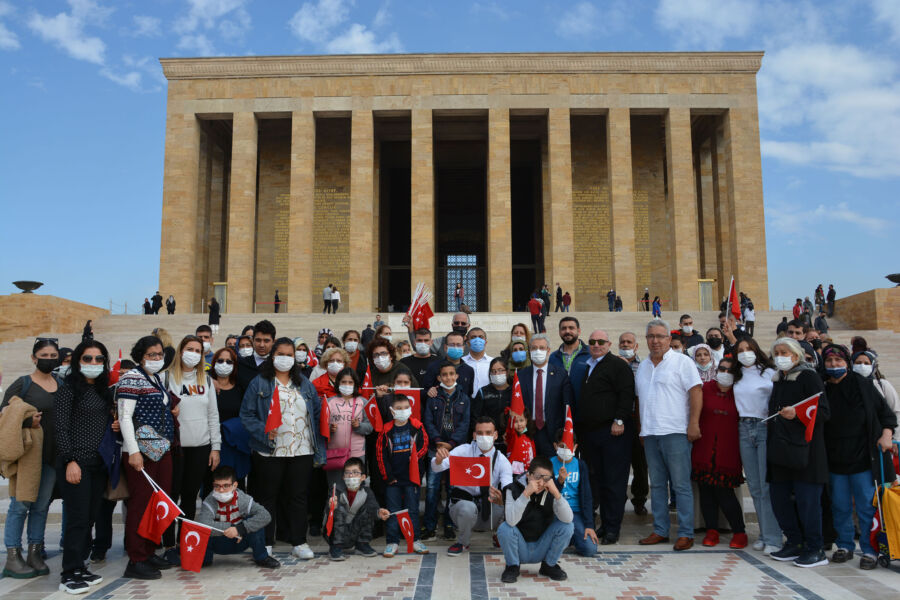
[83,100]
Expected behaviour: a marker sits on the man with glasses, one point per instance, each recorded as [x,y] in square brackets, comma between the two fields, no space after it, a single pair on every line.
[546,391]
[669,389]
[640,481]
[605,425]
[460,324]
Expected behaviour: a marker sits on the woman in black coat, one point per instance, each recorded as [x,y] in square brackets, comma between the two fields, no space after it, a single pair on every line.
[796,466]
[214,315]
[492,400]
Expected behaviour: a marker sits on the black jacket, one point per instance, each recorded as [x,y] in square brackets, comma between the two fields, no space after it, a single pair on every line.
[490,402]
[247,370]
[606,394]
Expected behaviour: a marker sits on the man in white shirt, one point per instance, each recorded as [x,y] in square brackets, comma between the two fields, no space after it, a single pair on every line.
[670,398]
[469,506]
[478,359]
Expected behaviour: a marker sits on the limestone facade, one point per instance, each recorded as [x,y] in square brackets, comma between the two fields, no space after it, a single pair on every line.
[600,170]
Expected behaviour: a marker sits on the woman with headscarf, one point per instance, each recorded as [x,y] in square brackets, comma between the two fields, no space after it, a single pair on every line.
[706,363]
[866,364]
[857,437]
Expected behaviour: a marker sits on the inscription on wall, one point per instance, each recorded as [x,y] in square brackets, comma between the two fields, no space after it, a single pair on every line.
[641,240]
[593,253]
[281,234]
[331,252]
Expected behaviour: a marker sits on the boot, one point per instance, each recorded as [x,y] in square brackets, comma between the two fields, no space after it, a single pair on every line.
[15,565]
[35,561]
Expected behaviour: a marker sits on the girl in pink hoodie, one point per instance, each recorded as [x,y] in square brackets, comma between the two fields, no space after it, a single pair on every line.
[349,425]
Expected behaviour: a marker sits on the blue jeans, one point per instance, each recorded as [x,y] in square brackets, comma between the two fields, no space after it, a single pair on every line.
[397,497]
[669,461]
[547,548]
[798,508]
[753,455]
[220,544]
[584,547]
[847,491]
[36,512]
[433,498]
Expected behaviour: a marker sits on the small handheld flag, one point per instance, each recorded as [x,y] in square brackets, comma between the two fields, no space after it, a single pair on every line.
[194,539]
[273,421]
[569,431]
[470,471]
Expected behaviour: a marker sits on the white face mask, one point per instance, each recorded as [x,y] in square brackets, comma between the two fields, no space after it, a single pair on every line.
[401,416]
[784,363]
[498,379]
[401,386]
[405,354]
[423,349]
[190,359]
[283,364]
[346,389]
[626,352]
[91,371]
[747,358]
[63,370]
[352,483]
[335,367]
[388,337]
[448,387]
[207,347]
[538,356]
[382,362]
[564,454]
[300,356]
[705,367]
[154,366]
[725,379]
[517,338]
[223,496]
[861,368]
[484,442]
[687,329]
[351,346]
[224,369]
[245,352]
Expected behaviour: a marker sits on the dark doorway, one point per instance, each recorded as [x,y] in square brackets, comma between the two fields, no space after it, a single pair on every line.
[394,219]
[526,220]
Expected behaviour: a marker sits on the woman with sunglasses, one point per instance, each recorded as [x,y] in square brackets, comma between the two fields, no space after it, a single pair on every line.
[82,418]
[39,389]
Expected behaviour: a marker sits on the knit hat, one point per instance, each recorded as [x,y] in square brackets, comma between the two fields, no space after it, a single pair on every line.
[837,350]
[324,330]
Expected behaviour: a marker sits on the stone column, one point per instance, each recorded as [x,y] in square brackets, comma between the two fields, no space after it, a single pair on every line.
[499,231]
[422,251]
[723,212]
[682,204]
[303,181]
[748,235]
[707,202]
[178,262]
[362,212]
[242,214]
[622,200]
[559,226]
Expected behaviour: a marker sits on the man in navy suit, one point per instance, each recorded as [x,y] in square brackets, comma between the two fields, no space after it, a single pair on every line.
[546,391]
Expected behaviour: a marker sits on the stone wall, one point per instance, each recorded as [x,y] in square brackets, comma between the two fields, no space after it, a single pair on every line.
[874,309]
[27,315]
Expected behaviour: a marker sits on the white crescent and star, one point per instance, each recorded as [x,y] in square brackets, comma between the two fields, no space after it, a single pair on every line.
[809,410]
[480,468]
[165,509]
[187,539]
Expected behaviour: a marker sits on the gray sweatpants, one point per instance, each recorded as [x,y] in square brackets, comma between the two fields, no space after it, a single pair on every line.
[465,516]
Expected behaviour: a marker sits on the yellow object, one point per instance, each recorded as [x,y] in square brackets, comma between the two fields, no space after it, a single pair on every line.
[891,506]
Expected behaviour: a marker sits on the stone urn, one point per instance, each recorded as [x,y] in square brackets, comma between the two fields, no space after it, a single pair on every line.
[27,287]
[894,278]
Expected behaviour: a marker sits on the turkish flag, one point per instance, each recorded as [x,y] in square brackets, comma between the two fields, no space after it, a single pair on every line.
[472,471]
[569,431]
[311,359]
[406,527]
[329,524]
[367,380]
[517,403]
[374,413]
[116,370]
[194,538]
[875,528]
[273,421]
[511,435]
[734,304]
[324,387]
[422,317]
[414,398]
[806,413]
[325,420]
[158,515]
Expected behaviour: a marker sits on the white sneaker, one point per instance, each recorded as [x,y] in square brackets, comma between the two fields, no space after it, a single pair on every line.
[769,549]
[303,552]
[419,547]
[390,550]
[759,545]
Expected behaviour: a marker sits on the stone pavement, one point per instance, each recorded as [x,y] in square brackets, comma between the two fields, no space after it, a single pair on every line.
[624,571]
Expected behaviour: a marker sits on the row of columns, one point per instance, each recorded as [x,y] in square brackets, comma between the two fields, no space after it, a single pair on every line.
[177,271]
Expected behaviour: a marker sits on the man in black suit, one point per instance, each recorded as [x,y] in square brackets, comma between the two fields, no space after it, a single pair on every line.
[546,391]
[605,428]
[248,366]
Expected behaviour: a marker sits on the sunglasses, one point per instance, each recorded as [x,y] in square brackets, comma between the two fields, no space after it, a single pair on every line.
[460,323]
[597,342]
[97,359]
[224,361]
[722,369]
[47,339]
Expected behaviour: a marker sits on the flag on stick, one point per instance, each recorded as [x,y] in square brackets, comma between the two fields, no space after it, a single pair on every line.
[406,527]
[569,430]
[273,421]
[470,471]
[194,539]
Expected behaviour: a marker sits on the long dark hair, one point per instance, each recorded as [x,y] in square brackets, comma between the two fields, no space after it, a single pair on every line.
[77,380]
[267,368]
[763,361]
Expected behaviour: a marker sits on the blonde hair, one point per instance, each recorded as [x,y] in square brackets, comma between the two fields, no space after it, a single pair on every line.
[328,354]
[163,336]
[175,367]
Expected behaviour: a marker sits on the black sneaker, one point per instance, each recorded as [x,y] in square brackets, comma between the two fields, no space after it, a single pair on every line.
[73,584]
[314,530]
[555,572]
[787,553]
[449,533]
[269,562]
[812,559]
[141,570]
[841,555]
[335,553]
[172,556]
[365,549]
[98,556]
[428,535]
[510,574]
[159,562]
[867,562]
[88,577]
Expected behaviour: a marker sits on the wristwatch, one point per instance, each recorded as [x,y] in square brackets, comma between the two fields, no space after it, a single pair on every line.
[619,422]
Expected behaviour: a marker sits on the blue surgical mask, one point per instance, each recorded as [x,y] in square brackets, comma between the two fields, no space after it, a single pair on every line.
[476,344]
[454,353]
[836,373]
[519,356]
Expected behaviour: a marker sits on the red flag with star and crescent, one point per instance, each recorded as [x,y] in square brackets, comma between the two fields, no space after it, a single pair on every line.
[194,538]
[374,414]
[414,397]
[273,421]
[422,317]
[406,527]
[367,380]
[569,431]
[472,471]
[806,414]
[325,420]
[516,407]
[734,304]
[158,515]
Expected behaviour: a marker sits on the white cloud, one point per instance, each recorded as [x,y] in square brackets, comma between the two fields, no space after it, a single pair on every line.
[316,22]
[196,44]
[579,21]
[359,40]
[706,23]
[842,213]
[229,17]
[888,12]
[383,16]
[145,26]
[130,79]
[67,30]
[8,39]
[798,225]
[490,8]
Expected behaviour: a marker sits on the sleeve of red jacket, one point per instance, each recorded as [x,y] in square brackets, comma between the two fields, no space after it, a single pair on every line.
[384,461]
[422,449]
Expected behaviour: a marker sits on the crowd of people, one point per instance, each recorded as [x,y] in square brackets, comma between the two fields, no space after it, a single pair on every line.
[697,414]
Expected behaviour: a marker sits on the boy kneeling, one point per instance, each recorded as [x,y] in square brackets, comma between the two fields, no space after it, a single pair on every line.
[243,520]
[355,510]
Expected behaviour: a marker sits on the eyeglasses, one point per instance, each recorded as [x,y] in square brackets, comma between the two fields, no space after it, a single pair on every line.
[86,359]
[598,342]
[460,323]
[353,473]
[656,336]
[154,355]
[722,369]
[544,478]
[381,355]
[222,487]
[498,372]
[224,361]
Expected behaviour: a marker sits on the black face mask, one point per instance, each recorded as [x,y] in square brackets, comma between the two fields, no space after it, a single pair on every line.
[460,329]
[714,342]
[46,365]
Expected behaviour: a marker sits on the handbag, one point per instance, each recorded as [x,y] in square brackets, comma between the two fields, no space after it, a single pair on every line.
[336,457]
[120,492]
[150,443]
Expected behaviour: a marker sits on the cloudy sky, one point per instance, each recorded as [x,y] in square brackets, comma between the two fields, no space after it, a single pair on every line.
[82,114]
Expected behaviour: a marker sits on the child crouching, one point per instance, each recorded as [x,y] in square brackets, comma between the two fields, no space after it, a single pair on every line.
[243,520]
[355,510]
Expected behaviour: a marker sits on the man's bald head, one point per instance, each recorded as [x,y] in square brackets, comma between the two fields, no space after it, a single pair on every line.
[598,343]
